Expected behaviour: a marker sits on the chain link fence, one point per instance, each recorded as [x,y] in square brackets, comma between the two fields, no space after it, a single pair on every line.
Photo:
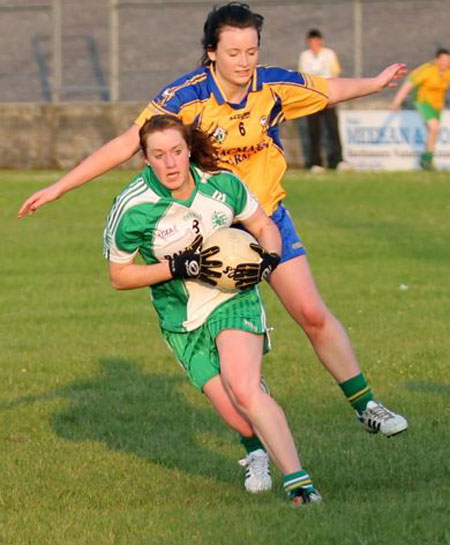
[109,50]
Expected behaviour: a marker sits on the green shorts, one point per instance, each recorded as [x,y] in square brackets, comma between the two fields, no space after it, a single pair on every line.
[427,111]
[196,350]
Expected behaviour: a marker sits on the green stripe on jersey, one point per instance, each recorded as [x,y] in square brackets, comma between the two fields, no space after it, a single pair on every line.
[146,219]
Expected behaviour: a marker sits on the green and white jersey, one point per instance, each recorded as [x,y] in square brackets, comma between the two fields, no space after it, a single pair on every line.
[146,219]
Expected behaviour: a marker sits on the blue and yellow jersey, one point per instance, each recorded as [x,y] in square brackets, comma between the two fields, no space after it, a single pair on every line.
[431,84]
[247,134]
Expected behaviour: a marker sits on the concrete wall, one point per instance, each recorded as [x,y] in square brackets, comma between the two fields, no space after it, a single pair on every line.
[42,136]
[160,43]
[47,136]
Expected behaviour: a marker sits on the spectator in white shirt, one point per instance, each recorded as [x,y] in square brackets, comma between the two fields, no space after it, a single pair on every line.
[321,61]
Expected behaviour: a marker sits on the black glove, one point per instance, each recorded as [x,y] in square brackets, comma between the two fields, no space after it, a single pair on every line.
[193,263]
[250,274]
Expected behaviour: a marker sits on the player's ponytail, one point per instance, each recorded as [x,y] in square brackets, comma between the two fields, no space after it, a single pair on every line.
[234,14]
[203,152]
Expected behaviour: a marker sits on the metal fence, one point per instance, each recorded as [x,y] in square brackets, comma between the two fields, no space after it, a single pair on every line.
[111,50]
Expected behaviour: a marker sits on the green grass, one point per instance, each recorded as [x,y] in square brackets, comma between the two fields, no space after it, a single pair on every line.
[102,440]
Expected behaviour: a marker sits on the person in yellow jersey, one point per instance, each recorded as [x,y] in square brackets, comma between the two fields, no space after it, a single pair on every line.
[429,82]
[241,104]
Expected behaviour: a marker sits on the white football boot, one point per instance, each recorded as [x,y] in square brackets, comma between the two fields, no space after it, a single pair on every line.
[257,471]
[376,418]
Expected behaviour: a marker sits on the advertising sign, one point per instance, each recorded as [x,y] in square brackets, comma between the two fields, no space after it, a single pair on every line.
[388,140]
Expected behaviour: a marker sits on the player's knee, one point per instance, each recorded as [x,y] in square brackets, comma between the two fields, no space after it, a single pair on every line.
[433,126]
[245,394]
[314,316]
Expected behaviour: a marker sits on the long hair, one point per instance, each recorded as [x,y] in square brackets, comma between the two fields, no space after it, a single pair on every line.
[203,152]
[235,14]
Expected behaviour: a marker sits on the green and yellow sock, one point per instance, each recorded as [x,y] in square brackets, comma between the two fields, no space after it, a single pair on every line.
[251,443]
[426,160]
[296,480]
[357,391]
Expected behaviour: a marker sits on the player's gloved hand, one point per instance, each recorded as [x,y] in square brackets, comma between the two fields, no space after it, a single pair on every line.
[194,263]
[250,274]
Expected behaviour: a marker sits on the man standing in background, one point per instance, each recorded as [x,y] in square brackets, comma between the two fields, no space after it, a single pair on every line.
[321,61]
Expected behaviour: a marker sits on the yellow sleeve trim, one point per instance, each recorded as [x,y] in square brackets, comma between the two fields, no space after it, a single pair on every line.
[148,112]
[318,84]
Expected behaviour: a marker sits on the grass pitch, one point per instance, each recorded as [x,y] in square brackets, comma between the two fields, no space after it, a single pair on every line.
[102,440]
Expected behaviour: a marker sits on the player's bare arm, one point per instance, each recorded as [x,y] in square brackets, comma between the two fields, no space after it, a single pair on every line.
[264,230]
[193,263]
[112,154]
[342,89]
[129,276]
[401,95]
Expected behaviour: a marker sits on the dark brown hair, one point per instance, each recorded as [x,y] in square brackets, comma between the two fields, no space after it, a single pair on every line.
[203,152]
[314,33]
[442,51]
[234,14]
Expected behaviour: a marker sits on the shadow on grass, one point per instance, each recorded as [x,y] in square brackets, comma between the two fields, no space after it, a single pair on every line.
[144,415]
[428,387]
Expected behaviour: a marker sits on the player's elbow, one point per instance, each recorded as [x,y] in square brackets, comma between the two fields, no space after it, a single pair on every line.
[128,142]
[119,276]
[117,282]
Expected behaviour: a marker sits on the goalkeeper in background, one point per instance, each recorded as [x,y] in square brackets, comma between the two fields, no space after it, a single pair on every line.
[430,82]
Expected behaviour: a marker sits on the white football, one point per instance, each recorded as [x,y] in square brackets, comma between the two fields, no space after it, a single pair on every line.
[234,249]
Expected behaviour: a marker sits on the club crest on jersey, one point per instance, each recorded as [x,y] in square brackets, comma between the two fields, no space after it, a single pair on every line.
[219,135]
[219,218]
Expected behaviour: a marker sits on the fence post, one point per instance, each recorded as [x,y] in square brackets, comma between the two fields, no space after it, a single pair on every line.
[358,39]
[114,67]
[56,50]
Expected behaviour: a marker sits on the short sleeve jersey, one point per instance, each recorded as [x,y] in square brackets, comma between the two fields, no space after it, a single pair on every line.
[325,63]
[145,219]
[431,84]
[247,134]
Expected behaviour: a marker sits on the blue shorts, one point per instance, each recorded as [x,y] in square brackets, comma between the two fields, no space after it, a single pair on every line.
[292,243]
